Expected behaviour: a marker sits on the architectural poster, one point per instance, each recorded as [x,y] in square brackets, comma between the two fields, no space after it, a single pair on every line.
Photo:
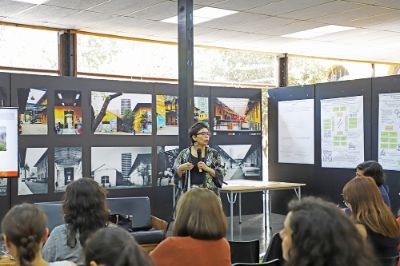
[342,132]
[389,131]
[296,131]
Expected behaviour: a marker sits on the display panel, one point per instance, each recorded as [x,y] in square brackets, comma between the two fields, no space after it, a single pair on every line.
[241,161]
[67,166]
[121,167]
[201,112]
[33,178]
[68,113]
[236,116]
[8,142]
[166,156]
[167,115]
[121,113]
[32,111]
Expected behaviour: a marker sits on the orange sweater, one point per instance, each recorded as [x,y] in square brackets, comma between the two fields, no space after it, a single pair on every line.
[176,251]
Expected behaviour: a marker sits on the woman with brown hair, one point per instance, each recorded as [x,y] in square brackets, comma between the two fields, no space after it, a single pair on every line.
[368,208]
[85,212]
[24,232]
[199,233]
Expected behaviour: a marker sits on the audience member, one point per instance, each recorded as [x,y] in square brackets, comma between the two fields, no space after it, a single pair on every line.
[24,232]
[318,233]
[199,231]
[374,169]
[368,208]
[114,247]
[85,212]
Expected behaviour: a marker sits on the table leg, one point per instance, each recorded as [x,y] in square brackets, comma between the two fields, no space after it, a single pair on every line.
[240,207]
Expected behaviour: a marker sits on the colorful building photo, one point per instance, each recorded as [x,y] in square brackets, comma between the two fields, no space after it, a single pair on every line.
[121,113]
[32,112]
[167,115]
[236,116]
[67,166]
[33,171]
[166,156]
[241,161]
[68,113]
[201,113]
[3,139]
[121,167]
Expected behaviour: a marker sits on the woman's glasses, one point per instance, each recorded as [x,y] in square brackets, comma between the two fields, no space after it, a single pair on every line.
[204,134]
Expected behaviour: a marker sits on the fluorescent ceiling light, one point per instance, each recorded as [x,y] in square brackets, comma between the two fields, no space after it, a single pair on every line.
[204,14]
[305,34]
[35,2]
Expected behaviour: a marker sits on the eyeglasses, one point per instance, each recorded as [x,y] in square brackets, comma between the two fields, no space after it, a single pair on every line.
[204,134]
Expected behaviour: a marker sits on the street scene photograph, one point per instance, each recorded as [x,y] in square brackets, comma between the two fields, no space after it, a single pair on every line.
[67,166]
[166,156]
[167,114]
[3,139]
[68,113]
[33,173]
[32,104]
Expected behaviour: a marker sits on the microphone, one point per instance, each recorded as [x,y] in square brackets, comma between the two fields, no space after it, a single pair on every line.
[199,159]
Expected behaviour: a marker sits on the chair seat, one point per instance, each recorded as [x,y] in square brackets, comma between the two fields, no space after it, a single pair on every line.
[149,237]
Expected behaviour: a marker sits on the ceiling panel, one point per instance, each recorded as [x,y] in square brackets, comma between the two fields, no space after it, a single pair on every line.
[241,5]
[382,3]
[285,6]
[75,4]
[124,7]
[229,22]
[9,8]
[43,13]
[158,11]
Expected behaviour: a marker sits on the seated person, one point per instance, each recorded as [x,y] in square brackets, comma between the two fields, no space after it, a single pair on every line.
[368,209]
[24,232]
[114,247]
[85,211]
[199,233]
[318,233]
[374,169]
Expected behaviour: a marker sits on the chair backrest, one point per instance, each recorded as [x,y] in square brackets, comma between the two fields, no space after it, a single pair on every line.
[274,262]
[245,251]
[53,213]
[138,207]
[274,250]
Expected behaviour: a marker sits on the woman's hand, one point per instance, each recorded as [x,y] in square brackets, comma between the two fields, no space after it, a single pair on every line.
[185,167]
[203,166]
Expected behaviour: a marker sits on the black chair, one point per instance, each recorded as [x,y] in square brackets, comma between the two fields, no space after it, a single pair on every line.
[274,250]
[245,251]
[53,213]
[274,262]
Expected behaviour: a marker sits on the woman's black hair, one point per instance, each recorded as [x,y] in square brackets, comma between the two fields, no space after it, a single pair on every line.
[374,170]
[114,246]
[323,235]
[195,128]
[25,225]
[84,208]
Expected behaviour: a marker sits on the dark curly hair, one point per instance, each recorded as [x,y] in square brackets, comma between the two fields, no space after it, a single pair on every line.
[195,128]
[25,226]
[374,170]
[85,209]
[114,246]
[323,235]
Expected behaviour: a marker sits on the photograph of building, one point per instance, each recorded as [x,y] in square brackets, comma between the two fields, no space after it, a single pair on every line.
[235,116]
[3,187]
[68,113]
[67,166]
[121,113]
[241,161]
[166,156]
[3,139]
[121,167]
[201,113]
[167,114]
[32,104]
[33,173]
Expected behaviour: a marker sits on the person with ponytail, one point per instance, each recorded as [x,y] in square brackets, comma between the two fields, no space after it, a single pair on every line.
[114,246]
[24,232]
[85,211]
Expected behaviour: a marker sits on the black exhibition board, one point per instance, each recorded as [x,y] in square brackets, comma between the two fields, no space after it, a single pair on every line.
[285,172]
[389,84]
[47,93]
[5,199]
[330,181]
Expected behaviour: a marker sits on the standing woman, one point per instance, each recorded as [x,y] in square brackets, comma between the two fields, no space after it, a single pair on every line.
[199,165]
[374,169]
[368,209]
[85,212]
[24,232]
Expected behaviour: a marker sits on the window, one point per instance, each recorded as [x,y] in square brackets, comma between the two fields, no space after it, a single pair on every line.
[303,70]
[382,70]
[28,48]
